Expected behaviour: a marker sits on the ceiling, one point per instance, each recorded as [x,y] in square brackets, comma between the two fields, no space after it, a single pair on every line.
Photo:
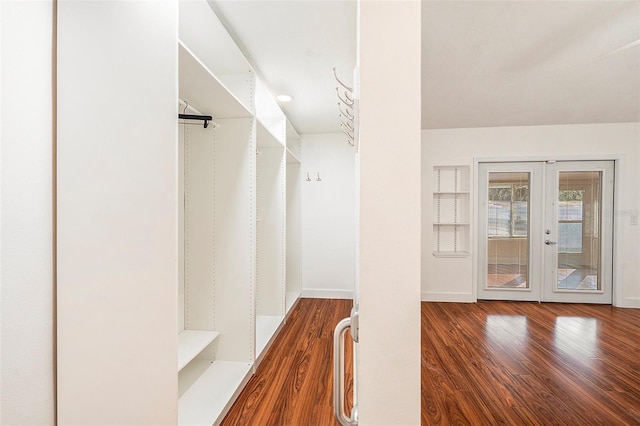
[484,63]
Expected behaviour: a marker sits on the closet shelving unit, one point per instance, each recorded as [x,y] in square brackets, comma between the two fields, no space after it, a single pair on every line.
[451,211]
[232,231]
[293,283]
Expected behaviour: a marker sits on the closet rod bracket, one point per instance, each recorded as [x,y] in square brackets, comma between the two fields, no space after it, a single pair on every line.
[205,118]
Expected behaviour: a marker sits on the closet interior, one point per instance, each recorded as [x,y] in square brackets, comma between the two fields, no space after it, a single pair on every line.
[239,230]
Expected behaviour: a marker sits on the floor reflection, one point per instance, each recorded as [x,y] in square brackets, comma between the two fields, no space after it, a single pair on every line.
[507,329]
[576,336]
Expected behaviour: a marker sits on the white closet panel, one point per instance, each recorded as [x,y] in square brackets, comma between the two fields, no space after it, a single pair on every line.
[117,345]
[235,238]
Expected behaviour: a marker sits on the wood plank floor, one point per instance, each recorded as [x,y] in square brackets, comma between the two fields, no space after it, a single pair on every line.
[487,363]
[294,383]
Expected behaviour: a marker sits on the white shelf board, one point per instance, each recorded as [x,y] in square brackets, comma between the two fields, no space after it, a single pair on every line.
[290,298]
[203,90]
[191,343]
[450,192]
[213,392]
[451,224]
[451,254]
[266,139]
[266,327]
[291,158]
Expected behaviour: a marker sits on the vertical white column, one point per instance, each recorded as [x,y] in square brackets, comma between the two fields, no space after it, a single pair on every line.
[26,213]
[390,209]
[117,212]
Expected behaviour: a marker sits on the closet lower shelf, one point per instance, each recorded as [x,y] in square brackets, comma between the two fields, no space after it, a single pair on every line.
[291,299]
[191,343]
[266,328]
[210,394]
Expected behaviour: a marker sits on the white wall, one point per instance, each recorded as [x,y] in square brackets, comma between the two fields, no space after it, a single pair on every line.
[452,279]
[26,230]
[388,367]
[327,216]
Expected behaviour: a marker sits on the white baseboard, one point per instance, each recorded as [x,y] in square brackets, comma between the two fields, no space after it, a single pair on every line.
[321,293]
[447,297]
[630,302]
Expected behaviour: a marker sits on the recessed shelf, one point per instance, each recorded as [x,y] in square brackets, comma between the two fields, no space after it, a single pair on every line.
[209,395]
[191,343]
[451,254]
[451,211]
[450,192]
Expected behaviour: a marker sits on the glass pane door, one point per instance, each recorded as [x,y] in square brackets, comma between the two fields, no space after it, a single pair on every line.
[578,235]
[509,199]
[508,230]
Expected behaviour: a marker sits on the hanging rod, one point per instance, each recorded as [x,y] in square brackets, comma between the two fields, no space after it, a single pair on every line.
[205,118]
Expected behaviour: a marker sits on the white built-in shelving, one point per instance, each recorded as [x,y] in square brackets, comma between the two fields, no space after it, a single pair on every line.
[191,343]
[208,389]
[294,275]
[271,229]
[233,230]
[451,211]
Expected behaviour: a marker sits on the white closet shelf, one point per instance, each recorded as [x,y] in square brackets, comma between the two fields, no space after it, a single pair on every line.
[213,392]
[450,254]
[292,158]
[266,139]
[266,328]
[191,343]
[450,192]
[204,91]
[290,299]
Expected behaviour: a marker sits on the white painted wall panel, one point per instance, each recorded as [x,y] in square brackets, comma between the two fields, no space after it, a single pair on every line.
[117,212]
[26,213]
[390,216]
[327,216]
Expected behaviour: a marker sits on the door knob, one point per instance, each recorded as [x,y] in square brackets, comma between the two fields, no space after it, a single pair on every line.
[549,243]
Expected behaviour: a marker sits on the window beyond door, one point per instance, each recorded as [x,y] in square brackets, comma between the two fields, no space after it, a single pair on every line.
[508,230]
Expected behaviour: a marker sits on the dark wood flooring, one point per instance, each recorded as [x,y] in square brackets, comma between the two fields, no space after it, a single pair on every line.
[488,363]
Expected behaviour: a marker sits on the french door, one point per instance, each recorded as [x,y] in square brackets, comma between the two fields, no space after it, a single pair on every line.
[545,231]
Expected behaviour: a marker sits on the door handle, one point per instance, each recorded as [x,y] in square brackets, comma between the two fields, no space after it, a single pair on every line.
[338,375]
[549,243]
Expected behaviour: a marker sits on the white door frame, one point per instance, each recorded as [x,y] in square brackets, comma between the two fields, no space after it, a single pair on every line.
[617,160]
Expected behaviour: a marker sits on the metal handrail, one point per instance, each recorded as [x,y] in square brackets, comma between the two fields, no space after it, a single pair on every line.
[338,375]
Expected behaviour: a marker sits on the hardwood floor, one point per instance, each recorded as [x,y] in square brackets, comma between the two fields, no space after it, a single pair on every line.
[487,363]
[530,364]
[294,383]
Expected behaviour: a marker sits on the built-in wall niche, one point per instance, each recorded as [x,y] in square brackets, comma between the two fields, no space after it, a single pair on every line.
[451,211]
